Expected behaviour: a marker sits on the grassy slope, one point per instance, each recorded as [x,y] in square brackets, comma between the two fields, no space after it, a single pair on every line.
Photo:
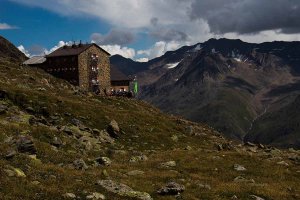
[230,113]
[147,131]
[280,127]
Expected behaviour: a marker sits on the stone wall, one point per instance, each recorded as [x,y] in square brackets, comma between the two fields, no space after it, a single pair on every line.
[103,65]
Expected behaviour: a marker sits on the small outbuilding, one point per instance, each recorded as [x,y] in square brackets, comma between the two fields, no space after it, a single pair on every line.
[119,81]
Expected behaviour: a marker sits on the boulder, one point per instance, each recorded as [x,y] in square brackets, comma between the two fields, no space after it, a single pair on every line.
[105,137]
[171,188]
[204,186]
[256,197]
[69,196]
[76,122]
[57,142]
[238,167]
[95,196]
[103,161]
[79,164]
[25,144]
[138,158]
[3,109]
[17,172]
[168,164]
[10,154]
[113,129]
[123,190]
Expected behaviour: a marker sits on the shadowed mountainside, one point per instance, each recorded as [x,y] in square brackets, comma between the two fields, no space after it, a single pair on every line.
[226,83]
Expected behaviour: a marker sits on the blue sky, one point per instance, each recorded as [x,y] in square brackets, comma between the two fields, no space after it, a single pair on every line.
[144,29]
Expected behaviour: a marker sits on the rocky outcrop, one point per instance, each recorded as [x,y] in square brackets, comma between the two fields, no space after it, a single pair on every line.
[123,190]
[171,188]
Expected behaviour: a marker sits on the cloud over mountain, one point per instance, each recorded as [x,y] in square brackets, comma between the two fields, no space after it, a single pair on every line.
[114,37]
[248,16]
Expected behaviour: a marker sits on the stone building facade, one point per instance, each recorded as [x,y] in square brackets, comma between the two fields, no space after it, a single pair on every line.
[83,65]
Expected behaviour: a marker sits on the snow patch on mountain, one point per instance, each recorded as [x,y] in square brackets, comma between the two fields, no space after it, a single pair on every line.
[172,65]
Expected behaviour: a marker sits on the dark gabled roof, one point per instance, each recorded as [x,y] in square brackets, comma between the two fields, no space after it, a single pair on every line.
[117,75]
[35,60]
[73,50]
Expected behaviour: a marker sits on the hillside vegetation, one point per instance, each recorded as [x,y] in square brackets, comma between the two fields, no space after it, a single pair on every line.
[58,142]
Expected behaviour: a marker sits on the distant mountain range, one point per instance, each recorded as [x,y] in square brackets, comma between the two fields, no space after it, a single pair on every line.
[247,91]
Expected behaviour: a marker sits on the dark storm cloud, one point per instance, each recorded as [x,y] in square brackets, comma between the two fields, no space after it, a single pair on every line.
[248,16]
[154,21]
[118,37]
[169,35]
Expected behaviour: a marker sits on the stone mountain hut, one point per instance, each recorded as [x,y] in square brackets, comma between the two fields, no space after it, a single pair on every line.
[84,65]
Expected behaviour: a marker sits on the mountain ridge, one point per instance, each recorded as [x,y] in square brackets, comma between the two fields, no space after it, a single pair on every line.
[211,75]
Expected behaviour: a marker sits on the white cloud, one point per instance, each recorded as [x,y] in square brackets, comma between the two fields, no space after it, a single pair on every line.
[142,60]
[167,21]
[59,44]
[264,36]
[159,49]
[23,50]
[129,13]
[117,49]
[5,26]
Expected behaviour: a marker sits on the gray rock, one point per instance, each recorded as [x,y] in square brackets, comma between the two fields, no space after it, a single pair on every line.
[168,164]
[95,196]
[282,163]
[10,154]
[30,109]
[96,131]
[76,122]
[57,142]
[171,188]
[9,172]
[103,161]
[174,138]
[241,179]
[123,190]
[204,186]
[67,130]
[25,144]
[135,173]
[238,167]
[80,164]
[250,144]
[256,197]
[105,137]
[188,148]
[3,109]
[69,196]
[294,157]
[113,129]
[224,146]
[138,158]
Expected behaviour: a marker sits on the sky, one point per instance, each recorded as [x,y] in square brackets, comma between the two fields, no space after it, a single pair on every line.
[144,29]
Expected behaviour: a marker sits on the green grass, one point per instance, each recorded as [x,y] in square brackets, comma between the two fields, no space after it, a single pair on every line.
[147,131]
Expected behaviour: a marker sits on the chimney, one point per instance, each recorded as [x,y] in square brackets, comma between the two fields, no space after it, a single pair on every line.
[80,44]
